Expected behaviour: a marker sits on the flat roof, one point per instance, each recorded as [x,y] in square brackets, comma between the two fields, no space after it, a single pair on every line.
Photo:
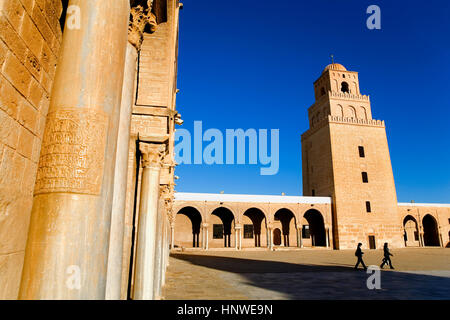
[184,196]
[218,197]
[407,204]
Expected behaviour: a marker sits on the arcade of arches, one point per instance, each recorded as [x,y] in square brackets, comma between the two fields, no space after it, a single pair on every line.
[425,226]
[213,221]
[244,222]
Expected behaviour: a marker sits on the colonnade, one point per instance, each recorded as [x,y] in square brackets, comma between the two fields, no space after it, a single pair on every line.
[75,243]
[239,234]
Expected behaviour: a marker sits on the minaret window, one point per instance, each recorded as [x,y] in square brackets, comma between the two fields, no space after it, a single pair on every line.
[344,87]
[365,178]
[322,91]
[368,208]
[361,152]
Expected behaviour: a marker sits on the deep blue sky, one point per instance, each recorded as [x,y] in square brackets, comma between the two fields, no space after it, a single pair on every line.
[252,64]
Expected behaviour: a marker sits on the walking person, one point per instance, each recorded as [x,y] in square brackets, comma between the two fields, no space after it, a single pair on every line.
[359,254]
[387,256]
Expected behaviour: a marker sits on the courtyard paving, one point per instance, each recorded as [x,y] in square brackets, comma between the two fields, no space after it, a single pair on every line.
[305,274]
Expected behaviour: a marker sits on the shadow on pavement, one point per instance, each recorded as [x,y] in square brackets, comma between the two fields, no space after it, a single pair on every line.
[261,279]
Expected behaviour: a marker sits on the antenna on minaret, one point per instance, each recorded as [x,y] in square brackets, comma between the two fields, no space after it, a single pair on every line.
[332,58]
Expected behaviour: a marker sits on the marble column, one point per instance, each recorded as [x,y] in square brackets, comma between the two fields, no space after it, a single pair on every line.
[172,235]
[327,234]
[239,230]
[270,238]
[67,247]
[140,18]
[115,256]
[152,155]
[165,204]
[205,227]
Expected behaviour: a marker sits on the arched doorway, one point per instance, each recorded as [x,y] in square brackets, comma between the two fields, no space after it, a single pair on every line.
[254,227]
[277,237]
[187,227]
[411,232]
[430,231]
[286,222]
[315,227]
[222,221]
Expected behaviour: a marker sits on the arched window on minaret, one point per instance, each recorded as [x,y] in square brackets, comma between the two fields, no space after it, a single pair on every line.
[344,87]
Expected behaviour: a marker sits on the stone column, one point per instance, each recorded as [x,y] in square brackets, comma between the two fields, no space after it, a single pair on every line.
[172,235]
[152,155]
[205,227]
[165,205]
[238,236]
[327,235]
[140,17]
[299,236]
[202,230]
[270,238]
[67,248]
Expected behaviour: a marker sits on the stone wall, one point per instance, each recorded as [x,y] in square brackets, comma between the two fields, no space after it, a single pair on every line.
[30,38]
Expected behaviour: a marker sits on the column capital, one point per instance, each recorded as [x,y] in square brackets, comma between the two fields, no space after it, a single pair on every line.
[140,17]
[152,154]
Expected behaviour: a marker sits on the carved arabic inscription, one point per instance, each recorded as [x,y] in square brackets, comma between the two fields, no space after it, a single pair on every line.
[73,151]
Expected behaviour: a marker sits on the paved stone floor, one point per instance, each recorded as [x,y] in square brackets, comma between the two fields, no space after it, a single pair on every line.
[305,274]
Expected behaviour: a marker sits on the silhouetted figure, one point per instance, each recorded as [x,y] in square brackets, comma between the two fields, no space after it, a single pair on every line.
[387,256]
[359,254]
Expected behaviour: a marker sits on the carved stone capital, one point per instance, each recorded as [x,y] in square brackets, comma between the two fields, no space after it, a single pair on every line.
[152,154]
[141,17]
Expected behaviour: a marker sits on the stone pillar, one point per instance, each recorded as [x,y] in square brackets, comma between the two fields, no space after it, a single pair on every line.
[172,235]
[206,226]
[299,237]
[203,237]
[165,251]
[67,248]
[238,236]
[152,155]
[270,238]
[113,282]
[140,17]
[166,196]
[327,235]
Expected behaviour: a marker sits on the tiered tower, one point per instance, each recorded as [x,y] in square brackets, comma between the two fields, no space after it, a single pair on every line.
[345,155]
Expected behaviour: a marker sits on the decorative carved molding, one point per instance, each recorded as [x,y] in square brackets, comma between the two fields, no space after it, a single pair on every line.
[152,154]
[141,17]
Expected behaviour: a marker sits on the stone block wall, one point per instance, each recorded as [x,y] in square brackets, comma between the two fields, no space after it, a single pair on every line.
[30,38]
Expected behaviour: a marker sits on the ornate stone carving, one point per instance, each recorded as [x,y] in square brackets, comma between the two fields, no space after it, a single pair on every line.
[152,154]
[141,17]
[73,151]
[166,192]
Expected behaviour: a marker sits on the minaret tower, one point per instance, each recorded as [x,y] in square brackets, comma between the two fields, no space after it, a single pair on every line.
[345,155]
